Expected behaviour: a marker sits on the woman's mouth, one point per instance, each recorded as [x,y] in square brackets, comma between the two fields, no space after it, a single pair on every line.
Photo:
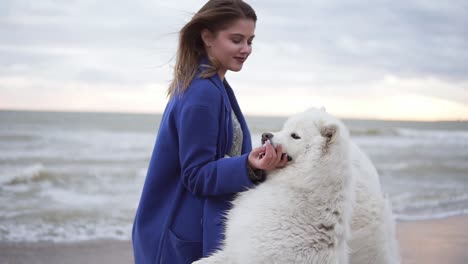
[240,59]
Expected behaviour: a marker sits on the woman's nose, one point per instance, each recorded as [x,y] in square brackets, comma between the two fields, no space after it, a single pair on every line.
[246,48]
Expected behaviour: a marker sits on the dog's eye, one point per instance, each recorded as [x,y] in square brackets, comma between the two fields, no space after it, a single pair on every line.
[295,136]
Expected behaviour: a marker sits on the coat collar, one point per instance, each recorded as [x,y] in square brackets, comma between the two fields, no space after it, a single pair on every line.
[230,102]
[204,63]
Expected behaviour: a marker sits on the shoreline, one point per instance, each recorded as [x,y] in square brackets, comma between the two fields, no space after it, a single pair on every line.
[428,241]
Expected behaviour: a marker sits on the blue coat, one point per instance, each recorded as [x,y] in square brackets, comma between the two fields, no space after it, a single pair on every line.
[189,184]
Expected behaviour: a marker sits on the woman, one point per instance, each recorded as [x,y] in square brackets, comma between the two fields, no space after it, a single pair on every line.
[202,156]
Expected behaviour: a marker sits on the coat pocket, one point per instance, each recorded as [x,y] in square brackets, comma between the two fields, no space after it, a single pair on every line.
[179,251]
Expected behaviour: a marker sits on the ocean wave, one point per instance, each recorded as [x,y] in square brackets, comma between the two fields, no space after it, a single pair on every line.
[394,166]
[81,155]
[78,230]
[424,134]
[436,199]
[431,216]
[372,132]
[433,134]
[429,204]
[29,173]
[431,166]
[74,199]
[17,137]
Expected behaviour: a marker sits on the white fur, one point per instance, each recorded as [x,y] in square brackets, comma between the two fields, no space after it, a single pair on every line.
[373,226]
[304,212]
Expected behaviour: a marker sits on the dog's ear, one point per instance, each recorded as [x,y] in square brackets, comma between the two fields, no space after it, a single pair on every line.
[328,131]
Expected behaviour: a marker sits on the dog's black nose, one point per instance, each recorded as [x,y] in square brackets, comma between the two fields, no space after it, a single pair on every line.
[266,136]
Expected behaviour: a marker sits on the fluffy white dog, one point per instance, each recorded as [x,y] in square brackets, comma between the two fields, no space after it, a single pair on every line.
[326,206]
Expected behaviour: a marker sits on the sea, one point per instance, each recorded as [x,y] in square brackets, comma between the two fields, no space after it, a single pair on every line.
[69,176]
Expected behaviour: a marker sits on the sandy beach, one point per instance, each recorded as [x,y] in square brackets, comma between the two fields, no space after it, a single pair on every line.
[435,241]
[429,242]
[91,252]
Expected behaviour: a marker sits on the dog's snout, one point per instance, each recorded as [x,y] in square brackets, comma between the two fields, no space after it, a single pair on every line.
[266,136]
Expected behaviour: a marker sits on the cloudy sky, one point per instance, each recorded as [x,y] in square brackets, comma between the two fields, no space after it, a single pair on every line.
[361,59]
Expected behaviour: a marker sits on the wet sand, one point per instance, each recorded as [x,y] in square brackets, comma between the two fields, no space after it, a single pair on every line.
[102,252]
[428,242]
[434,241]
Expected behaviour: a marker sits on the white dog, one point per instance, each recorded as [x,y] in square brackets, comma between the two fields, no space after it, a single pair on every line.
[304,212]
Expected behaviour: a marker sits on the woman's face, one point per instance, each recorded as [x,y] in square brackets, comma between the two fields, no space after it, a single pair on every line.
[231,46]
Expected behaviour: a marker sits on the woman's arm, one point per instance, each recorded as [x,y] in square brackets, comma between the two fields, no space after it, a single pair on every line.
[202,174]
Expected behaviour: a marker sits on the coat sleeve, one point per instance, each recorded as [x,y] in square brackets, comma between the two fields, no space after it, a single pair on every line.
[202,174]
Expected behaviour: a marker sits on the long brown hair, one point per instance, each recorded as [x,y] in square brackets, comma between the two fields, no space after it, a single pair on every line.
[214,16]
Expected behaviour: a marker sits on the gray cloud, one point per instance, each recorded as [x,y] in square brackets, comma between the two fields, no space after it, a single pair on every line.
[408,38]
[328,45]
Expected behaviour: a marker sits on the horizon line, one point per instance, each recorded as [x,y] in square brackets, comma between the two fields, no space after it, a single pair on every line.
[247,115]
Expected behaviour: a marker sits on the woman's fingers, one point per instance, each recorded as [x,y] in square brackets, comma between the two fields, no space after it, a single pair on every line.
[267,157]
[270,150]
[279,152]
[271,156]
[274,158]
[258,151]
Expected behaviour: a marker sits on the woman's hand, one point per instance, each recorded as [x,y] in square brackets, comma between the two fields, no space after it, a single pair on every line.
[267,158]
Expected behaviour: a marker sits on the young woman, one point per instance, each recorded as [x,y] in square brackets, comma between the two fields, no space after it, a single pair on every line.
[203,154]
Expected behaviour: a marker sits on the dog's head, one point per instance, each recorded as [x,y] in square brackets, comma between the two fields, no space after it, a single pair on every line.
[308,135]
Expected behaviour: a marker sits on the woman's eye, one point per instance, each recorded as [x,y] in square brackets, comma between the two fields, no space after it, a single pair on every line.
[295,136]
[236,41]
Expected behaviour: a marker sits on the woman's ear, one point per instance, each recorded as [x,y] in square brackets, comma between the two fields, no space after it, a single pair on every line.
[207,37]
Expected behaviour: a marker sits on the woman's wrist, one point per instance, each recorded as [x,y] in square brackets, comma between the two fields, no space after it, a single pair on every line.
[256,175]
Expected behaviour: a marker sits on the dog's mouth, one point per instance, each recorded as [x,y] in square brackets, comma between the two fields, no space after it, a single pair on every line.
[282,155]
[289,157]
